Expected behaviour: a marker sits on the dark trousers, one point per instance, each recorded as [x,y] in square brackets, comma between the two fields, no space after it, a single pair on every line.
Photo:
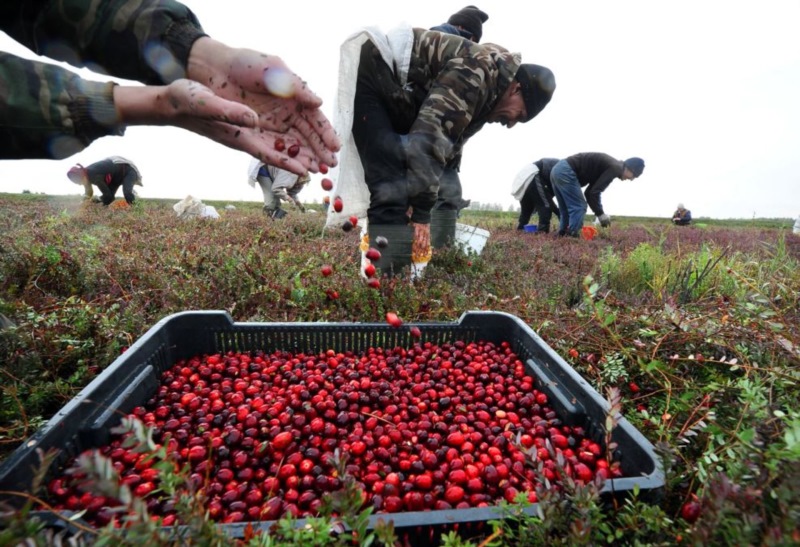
[382,117]
[536,198]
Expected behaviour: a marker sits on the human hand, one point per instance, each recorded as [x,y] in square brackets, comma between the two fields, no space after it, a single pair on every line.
[605,220]
[195,107]
[286,107]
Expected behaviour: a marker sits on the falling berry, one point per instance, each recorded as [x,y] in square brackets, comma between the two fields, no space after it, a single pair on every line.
[415,332]
[293,150]
[373,254]
[354,220]
[369,270]
[326,270]
[374,283]
[327,184]
[381,242]
[347,226]
[393,320]
[337,204]
[280,145]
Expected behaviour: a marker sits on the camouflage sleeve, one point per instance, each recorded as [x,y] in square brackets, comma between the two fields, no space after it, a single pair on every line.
[147,40]
[50,112]
[460,91]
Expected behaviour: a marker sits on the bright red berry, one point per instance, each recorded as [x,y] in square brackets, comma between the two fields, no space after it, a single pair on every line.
[327,185]
[338,205]
[393,320]
[326,270]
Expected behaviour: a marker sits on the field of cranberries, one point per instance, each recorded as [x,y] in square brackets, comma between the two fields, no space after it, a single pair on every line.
[692,333]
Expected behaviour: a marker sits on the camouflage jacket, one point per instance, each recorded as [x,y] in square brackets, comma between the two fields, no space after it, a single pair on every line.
[50,112]
[452,86]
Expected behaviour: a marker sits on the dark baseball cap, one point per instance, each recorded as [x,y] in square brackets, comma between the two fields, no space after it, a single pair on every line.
[538,84]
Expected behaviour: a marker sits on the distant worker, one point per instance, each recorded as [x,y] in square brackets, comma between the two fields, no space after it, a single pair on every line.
[596,171]
[276,185]
[682,216]
[537,194]
[108,175]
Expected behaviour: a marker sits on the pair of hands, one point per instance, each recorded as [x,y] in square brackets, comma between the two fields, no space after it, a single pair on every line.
[241,98]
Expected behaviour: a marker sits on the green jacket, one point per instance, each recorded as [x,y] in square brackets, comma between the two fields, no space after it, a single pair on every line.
[452,87]
[50,112]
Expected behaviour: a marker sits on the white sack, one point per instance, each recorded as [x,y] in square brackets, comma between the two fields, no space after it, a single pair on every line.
[522,180]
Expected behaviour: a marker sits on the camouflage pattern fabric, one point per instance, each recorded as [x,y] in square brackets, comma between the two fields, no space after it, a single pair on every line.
[50,112]
[453,85]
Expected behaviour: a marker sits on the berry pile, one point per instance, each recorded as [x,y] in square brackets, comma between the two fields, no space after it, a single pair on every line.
[429,427]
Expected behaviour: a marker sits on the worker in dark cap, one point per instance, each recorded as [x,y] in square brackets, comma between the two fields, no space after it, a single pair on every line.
[596,171]
[467,23]
[407,125]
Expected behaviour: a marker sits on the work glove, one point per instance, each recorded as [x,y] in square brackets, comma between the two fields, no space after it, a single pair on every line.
[605,220]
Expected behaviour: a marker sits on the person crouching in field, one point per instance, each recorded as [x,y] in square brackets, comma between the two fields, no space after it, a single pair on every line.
[682,216]
[108,175]
[276,185]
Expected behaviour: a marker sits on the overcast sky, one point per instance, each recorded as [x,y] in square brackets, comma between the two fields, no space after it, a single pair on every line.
[706,92]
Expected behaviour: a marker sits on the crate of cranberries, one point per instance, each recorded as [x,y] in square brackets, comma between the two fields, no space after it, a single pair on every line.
[439,421]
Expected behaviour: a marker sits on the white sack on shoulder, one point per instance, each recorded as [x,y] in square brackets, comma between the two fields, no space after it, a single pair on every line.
[522,180]
[348,177]
[252,172]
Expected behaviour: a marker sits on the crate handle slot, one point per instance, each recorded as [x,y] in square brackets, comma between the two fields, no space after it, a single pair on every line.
[571,409]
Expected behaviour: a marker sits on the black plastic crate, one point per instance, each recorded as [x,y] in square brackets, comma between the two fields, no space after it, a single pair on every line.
[85,422]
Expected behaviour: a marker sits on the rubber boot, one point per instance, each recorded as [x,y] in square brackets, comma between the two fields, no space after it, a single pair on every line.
[396,255]
[443,228]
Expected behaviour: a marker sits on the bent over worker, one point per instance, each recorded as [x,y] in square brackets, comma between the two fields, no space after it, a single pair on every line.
[596,171]
[407,122]
[108,175]
[538,196]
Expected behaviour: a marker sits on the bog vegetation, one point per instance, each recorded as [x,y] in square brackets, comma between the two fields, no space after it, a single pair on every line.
[695,331]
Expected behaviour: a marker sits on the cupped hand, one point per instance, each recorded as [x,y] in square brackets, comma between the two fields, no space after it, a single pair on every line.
[190,105]
[286,107]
